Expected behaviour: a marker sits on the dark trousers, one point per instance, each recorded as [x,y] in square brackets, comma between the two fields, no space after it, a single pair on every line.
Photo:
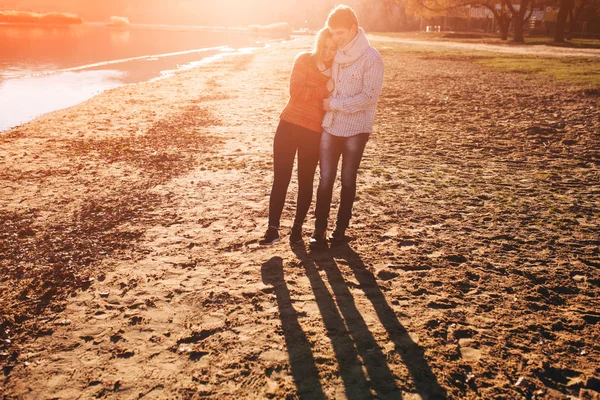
[332,148]
[289,139]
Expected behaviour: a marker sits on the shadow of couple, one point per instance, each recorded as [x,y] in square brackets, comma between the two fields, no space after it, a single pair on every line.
[362,365]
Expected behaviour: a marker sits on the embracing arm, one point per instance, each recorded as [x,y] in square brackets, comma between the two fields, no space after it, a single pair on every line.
[372,84]
[299,89]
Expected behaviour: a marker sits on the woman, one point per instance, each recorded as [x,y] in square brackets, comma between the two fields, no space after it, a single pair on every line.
[299,130]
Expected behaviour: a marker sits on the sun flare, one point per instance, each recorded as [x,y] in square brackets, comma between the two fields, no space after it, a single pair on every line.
[177,12]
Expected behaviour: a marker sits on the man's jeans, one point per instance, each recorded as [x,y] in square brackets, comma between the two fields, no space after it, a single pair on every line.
[351,150]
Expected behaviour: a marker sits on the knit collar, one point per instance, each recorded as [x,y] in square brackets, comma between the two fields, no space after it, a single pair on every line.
[353,50]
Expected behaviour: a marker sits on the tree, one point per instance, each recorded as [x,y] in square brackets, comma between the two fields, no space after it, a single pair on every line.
[384,15]
[564,10]
[520,16]
[503,12]
[394,13]
[502,15]
[581,8]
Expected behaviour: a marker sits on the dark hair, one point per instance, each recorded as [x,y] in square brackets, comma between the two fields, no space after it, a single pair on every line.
[342,17]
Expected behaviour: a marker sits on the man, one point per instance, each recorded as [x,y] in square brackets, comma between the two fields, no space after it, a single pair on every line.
[358,77]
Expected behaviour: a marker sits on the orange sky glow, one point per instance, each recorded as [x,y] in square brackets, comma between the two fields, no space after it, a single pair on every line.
[186,12]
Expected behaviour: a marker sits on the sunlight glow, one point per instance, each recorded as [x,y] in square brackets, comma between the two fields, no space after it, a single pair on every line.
[179,12]
[60,91]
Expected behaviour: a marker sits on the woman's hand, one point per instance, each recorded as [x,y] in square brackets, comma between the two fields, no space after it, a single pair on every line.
[330,85]
[326,104]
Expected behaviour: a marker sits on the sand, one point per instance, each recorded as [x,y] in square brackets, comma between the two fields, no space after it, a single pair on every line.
[130,264]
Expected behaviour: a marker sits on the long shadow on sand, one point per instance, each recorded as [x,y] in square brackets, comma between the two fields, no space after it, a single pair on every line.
[304,370]
[358,339]
[349,334]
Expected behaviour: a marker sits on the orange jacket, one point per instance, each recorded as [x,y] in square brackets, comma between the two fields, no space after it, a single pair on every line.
[308,88]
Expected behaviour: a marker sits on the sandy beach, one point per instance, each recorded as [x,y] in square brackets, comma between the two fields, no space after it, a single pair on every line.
[130,265]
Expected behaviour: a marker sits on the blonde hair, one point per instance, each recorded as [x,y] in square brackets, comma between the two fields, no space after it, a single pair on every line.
[322,35]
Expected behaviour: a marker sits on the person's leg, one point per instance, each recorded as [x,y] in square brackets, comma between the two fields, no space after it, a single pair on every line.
[308,158]
[352,153]
[329,156]
[284,153]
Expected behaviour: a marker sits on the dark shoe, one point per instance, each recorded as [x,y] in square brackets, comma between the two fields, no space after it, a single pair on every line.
[317,242]
[337,237]
[271,237]
[296,235]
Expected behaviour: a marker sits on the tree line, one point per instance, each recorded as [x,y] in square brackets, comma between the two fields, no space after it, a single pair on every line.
[397,15]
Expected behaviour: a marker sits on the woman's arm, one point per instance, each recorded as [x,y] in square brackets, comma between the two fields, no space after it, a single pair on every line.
[299,89]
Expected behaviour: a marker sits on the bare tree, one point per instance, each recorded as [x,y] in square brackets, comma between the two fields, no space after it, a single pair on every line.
[502,15]
[564,10]
[581,8]
[520,16]
[394,12]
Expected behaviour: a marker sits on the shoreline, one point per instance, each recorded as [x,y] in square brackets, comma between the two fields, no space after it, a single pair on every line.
[141,26]
[71,85]
[213,54]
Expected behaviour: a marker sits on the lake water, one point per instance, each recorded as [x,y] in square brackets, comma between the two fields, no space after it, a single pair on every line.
[43,69]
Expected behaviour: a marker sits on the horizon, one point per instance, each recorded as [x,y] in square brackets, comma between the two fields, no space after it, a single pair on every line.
[310,13]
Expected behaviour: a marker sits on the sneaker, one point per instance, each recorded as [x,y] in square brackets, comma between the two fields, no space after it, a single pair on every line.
[318,242]
[271,237]
[337,237]
[296,235]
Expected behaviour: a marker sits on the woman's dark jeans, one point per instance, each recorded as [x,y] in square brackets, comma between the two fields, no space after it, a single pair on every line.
[351,150]
[289,139]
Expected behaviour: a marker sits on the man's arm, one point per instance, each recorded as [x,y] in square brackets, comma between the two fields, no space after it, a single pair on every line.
[372,85]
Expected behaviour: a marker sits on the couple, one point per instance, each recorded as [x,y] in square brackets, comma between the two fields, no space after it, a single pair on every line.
[333,95]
